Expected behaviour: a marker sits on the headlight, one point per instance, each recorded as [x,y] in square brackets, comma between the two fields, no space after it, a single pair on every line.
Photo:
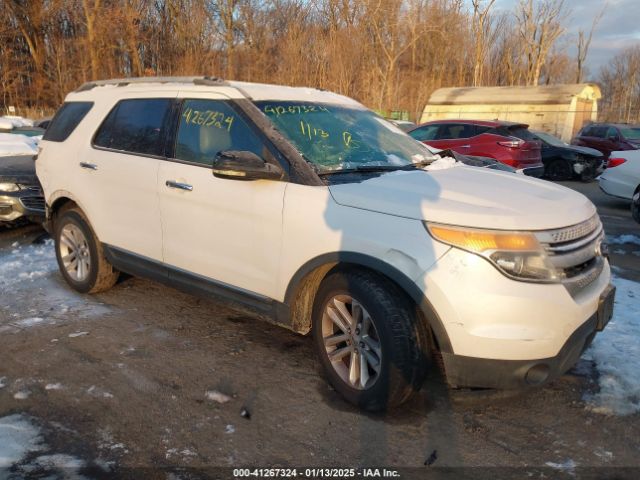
[518,255]
[9,187]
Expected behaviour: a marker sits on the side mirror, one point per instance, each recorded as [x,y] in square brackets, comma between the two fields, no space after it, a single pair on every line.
[243,165]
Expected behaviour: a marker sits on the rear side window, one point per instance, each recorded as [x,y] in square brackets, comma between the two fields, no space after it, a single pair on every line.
[521,133]
[66,120]
[599,132]
[135,126]
[456,130]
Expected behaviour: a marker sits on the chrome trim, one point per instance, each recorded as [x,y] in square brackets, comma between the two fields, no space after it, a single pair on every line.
[567,234]
[568,247]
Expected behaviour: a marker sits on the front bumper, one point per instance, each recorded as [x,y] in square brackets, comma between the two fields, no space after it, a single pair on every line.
[514,374]
[27,203]
[499,329]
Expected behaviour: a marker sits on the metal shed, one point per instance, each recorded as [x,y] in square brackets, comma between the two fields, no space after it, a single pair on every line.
[560,110]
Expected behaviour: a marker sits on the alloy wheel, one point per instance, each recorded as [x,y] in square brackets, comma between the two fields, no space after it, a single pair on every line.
[74,252]
[351,342]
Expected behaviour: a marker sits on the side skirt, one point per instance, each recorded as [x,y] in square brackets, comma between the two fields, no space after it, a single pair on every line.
[251,303]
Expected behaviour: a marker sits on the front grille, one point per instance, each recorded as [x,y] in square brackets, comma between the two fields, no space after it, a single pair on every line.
[33,203]
[575,252]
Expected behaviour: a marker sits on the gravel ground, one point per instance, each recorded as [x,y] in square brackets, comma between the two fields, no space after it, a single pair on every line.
[146,382]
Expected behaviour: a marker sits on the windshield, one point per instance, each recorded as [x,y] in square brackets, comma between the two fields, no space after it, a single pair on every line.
[337,137]
[631,133]
[550,139]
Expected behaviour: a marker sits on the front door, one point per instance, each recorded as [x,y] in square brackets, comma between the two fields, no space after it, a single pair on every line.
[224,230]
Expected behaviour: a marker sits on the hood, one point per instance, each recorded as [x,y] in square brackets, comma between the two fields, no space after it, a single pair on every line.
[468,196]
[18,169]
[584,150]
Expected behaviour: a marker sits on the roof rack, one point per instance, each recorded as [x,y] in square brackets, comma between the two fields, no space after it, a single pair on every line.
[123,82]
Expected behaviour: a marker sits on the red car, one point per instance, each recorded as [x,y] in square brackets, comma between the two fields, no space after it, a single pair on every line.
[609,137]
[508,142]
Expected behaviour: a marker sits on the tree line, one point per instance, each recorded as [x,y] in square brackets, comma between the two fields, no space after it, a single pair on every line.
[388,54]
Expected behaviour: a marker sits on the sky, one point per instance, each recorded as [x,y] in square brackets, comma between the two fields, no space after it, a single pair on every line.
[619,27]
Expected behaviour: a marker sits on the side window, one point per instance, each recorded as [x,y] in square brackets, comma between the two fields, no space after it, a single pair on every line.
[612,132]
[598,132]
[425,133]
[66,120]
[480,129]
[455,131]
[586,132]
[135,126]
[207,127]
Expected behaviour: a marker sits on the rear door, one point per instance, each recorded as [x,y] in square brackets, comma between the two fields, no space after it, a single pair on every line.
[119,171]
[455,136]
[228,231]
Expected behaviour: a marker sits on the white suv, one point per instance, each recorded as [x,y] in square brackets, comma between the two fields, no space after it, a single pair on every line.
[312,212]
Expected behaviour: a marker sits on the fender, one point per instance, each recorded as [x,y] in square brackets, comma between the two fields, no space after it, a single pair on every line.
[389,271]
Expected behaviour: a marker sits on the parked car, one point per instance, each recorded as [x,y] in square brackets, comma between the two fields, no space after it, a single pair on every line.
[564,162]
[26,131]
[43,122]
[508,142]
[403,125]
[622,179]
[20,194]
[311,211]
[609,137]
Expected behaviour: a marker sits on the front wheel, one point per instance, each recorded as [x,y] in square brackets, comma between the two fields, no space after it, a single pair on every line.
[558,170]
[370,341]
[80,255]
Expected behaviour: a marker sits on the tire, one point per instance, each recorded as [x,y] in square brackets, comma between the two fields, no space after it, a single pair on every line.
[76,241]
[558,170]
[635,205]
[396,338]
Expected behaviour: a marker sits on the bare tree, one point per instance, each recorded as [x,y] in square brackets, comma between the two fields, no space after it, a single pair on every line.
[584,41]
[481,26]
[540,26]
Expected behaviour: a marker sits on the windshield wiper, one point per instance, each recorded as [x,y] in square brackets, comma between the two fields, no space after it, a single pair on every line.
[377,168]
[362,168]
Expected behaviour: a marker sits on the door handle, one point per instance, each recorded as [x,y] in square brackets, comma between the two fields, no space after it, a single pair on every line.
[89,166]
[178,185]
[465,146]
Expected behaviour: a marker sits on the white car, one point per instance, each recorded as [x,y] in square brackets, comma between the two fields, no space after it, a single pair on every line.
[311,211]
[622,178]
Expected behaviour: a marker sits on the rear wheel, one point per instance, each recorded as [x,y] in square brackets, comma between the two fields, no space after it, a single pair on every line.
[371,343]
[80,255]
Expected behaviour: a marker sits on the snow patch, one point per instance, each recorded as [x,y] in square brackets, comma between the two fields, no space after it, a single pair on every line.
[18,437]
[28,322]
[98,392]
[3,382]
[53,386]
[78,334]
[616,353]
[217,396]
[22,395]
[229,429]
[622,239]
[26,263]
[568,466]
[443,163]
